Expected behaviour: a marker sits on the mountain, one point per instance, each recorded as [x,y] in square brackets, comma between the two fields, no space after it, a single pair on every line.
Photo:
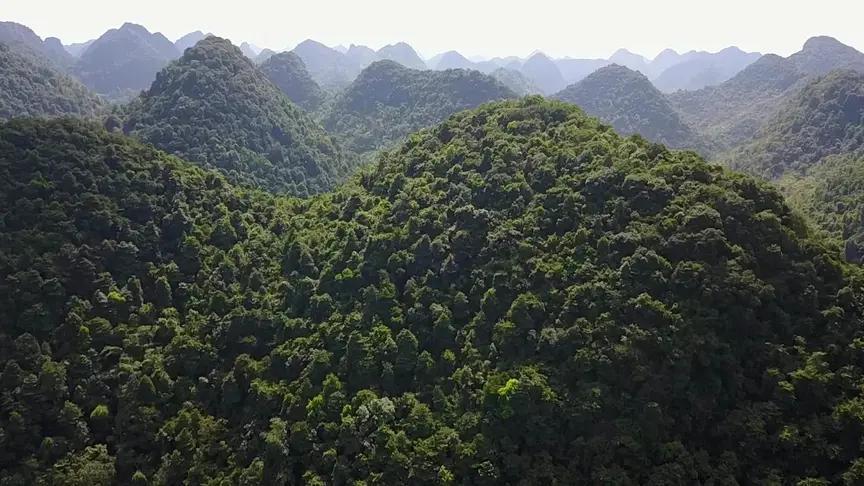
[361,56]
[31,87]
[703,69]
[732,112]
[21,37]
[264,55]
[574,70]
[516,81]
[632,61]
[831,194]
[214,107]
[516,296]
[124,61]
[452,60]
[250,50]
[403,54]
[666,59]
[189,40]
[629,102]
[388,101]
[543,73]
[77,49]
[287,71]
[825,118]
[823,54]
[329,68]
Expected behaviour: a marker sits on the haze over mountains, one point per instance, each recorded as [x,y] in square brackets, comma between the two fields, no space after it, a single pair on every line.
[221,264]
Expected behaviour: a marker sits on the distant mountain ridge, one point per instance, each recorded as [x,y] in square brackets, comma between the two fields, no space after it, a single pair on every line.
[628,101]
[124,61]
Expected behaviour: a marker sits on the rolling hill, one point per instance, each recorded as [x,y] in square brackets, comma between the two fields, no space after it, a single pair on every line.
[517,295]
[31,87]
[388,101]
[216,108]
[629,102]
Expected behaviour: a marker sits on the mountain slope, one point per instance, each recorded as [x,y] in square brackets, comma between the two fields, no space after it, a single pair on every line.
[544,74]
[329,68]
[575,70]
[516,81]
[287,71]
[703,69]
[732,112]
[388,101]
[214,107]
[31,88]
[629,102]
[518,295]
[124,61]
[825,118]
[21,37]
[402,53]
[189,40]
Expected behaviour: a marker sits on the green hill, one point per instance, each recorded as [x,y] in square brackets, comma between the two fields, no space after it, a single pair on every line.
[516,296]
[216,108]
[287,71]
[825,118]
[629,102]
[731,113]
[30,88]
[388,101]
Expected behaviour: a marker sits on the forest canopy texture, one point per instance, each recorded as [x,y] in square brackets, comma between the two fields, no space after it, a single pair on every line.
[516,296]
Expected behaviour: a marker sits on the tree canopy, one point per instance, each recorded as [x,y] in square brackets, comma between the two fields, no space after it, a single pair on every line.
[515,296]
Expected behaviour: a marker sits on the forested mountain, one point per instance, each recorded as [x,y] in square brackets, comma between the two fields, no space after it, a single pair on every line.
[22,38]
[517,296]
[329,68]
[266,54]
[403,54]
[388,101]
[634,62]
[516,81]
[250,51]
[287,71]
[214,107]
[732,112]
[544,74]
[825,118]
[124,61]
[629,102]
[701,69]
[189,40]
[831,194]
[31,87]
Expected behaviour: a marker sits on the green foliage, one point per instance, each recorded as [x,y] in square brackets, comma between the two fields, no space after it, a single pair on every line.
[287,71]
[388,101]
[629,102]
[825,118]
[516,296]
[214,107]
[29,87]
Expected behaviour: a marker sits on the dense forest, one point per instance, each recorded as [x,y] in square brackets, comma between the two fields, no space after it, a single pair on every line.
[287,71]
[31,87]
[825,118]
[629,102]
[225,265]
[517,295]
[388,101]
[216,108]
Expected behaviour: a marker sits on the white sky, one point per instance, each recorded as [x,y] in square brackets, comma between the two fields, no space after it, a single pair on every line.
[576,28]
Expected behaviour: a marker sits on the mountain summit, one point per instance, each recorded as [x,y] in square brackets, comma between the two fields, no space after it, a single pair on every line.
[216,108]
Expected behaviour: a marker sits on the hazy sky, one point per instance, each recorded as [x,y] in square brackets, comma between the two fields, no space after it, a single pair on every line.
[575,28]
